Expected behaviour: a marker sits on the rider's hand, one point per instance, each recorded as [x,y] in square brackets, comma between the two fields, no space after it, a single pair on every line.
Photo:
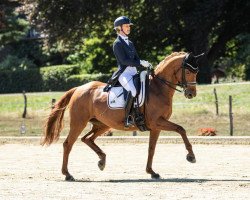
[144,63]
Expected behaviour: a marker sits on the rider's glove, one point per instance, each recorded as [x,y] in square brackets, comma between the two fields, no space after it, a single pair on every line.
[144,63]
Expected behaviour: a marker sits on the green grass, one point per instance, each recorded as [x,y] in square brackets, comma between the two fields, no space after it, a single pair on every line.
[193,114]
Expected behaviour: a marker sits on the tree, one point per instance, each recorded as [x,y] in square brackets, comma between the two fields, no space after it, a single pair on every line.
[161,26]
[196,26]
[13,26]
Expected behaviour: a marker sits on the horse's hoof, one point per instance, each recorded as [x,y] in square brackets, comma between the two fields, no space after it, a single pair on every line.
[155,176]
[191,158]
[101,165]
[69,178]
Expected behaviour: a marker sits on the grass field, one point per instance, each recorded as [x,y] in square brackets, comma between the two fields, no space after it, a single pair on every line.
[192,114]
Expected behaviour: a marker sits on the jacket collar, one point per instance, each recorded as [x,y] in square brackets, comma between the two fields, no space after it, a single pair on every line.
[123,37]
[123,42]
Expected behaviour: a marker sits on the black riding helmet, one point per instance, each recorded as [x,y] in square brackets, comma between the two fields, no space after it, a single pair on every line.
[122,20]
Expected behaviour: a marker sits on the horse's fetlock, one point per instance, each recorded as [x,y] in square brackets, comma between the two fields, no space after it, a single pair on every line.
[64,172]
[102,155]
[149,170]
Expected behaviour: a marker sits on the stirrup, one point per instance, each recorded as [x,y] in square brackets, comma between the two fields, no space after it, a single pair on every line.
[128,122]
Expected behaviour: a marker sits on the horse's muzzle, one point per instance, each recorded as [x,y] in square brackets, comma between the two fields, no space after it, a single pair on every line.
[189,93]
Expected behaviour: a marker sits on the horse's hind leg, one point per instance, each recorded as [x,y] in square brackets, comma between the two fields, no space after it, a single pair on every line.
[75,131]
[89,139]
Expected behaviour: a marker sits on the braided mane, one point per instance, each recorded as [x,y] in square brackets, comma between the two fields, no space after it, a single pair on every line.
[164,62]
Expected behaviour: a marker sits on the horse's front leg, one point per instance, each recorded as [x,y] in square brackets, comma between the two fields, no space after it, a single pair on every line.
[163,124]
[154,134]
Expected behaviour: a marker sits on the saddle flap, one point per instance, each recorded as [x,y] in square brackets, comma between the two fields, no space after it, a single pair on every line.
[116,96]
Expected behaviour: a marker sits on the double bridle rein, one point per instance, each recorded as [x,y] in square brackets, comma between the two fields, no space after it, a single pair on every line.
[183,84]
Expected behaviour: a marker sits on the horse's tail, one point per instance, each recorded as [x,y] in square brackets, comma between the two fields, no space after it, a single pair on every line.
[54,123]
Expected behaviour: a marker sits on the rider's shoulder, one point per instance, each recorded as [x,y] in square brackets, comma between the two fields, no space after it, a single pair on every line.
[117,42]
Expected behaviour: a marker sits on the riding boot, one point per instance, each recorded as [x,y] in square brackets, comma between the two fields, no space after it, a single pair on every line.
[128,105]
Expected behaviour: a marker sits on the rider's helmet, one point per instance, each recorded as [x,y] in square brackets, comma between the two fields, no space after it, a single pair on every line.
[122,20]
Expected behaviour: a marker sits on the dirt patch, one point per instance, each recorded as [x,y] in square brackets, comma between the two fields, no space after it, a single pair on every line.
[33,172]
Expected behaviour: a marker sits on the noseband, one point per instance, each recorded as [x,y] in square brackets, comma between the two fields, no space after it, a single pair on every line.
[183,84]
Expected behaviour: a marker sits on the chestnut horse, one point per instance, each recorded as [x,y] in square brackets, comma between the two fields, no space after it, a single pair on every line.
[88,103]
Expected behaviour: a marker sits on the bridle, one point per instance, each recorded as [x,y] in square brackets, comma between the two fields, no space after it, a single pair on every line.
[183,84]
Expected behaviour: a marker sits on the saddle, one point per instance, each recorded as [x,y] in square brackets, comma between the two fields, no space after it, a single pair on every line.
[117,95]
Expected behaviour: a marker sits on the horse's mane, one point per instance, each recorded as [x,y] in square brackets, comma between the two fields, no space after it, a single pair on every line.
[163,63]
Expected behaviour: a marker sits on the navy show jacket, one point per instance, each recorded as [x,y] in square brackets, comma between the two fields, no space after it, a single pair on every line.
[125,54]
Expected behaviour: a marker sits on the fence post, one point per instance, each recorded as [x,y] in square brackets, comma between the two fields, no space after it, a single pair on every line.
[216,102]
[22,128]
[53,101]
[25,105]
[230,115]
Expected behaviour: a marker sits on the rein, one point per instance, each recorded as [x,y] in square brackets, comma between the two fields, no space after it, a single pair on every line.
[168,83]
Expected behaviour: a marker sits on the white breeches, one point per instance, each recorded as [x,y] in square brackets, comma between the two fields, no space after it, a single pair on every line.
[126,79]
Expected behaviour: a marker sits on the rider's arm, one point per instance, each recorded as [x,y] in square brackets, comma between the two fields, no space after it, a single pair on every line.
[141,67]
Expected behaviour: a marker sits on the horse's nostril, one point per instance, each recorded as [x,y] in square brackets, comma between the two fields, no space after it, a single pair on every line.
[189,95]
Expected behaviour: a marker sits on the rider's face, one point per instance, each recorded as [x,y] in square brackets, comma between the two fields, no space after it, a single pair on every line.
[126,28]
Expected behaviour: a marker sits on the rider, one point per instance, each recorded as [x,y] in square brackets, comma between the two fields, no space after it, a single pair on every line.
[128,61]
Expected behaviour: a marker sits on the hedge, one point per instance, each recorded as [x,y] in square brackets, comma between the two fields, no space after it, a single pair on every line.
[80,79]
[54,78]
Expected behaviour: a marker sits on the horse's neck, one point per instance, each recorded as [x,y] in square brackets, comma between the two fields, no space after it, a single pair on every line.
[167,72]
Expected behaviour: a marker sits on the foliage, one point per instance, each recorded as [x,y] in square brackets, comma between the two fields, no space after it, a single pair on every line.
[237,57]
[19,80]
[197,26]
[243,54]
[13,62]
[76,80]
[20,48]
[84,29]
[13,26]
[92,56]
[55,78]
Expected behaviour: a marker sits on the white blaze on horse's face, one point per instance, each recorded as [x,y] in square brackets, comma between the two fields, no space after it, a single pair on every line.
[190,88]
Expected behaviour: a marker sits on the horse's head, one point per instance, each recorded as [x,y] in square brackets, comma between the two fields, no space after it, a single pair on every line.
[182,70]
[186,75]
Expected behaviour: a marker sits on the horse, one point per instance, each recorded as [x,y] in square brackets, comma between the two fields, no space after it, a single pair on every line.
[88,103]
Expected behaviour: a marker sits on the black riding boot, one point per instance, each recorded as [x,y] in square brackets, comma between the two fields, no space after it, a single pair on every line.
[128,104]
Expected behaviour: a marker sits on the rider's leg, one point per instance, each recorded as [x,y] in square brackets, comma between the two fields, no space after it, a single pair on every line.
[128,104]
[126,80]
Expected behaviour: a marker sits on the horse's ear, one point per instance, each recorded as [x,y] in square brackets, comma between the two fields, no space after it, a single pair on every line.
[199,56]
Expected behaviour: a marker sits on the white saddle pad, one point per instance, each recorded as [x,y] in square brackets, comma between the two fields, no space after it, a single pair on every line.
[115,95]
